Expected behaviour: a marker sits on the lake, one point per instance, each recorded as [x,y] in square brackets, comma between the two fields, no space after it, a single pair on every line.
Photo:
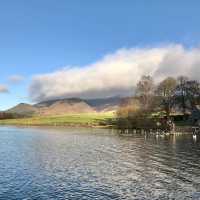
[68,163]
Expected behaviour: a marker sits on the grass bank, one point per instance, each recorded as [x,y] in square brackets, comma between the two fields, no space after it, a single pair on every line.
[89,119]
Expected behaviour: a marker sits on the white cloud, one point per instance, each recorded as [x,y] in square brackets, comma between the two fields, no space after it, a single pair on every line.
[117,73]
[3,89]
[15,79]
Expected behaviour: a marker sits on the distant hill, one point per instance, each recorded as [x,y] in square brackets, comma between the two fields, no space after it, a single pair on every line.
[69,105]
[60,107]
[23,109]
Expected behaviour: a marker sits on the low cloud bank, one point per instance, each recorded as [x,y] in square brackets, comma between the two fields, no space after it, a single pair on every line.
[117,73]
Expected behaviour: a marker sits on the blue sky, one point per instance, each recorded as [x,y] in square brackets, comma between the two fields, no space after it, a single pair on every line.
[42,36]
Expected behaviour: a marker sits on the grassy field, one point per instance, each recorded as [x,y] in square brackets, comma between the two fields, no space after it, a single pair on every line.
[89,119]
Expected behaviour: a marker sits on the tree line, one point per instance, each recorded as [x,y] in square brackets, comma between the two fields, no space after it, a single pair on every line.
[7,115]
[154,104]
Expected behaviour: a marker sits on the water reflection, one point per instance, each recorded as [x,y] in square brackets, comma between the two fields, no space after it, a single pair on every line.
[194,138]
[97,164]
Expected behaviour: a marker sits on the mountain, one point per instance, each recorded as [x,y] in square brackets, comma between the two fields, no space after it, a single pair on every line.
[68,105]
[23,109]
[105,104]
[60,107]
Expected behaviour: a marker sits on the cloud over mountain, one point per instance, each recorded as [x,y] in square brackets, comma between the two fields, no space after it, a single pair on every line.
[117,73]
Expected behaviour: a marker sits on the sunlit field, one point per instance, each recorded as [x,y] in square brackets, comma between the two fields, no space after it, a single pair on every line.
[88,119]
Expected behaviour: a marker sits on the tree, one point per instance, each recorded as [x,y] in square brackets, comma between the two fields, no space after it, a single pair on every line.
[144,91]
[187,93]
[128,108]
[165,91]
[192,89]
[181,93]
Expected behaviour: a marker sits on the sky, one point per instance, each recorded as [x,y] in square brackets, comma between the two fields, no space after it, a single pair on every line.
[73,48]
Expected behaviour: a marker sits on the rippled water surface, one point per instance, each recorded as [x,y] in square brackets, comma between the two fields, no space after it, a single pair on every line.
[97,164]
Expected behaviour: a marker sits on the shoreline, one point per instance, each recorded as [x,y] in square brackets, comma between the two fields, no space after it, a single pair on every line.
[62,126]
[179,129]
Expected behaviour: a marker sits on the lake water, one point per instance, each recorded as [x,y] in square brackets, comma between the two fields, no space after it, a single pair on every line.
[50,163]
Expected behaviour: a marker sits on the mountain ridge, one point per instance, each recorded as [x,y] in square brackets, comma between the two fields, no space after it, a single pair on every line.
[67,105]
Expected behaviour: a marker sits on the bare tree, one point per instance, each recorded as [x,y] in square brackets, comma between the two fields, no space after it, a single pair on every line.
[192,89]
[165,91]
[144,91]
[181,93]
